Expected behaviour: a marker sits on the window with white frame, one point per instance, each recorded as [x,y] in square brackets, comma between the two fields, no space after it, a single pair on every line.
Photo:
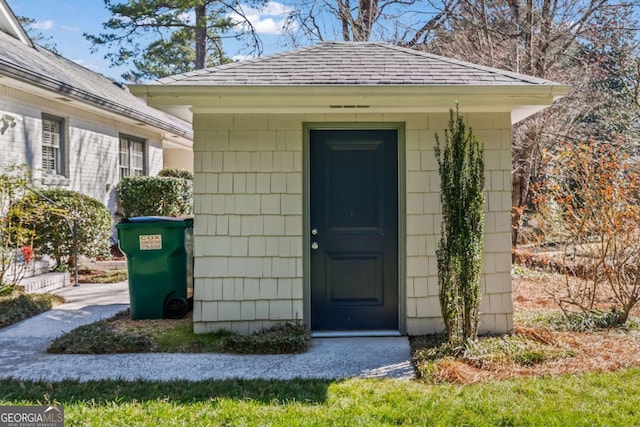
[131,156]
[53,144]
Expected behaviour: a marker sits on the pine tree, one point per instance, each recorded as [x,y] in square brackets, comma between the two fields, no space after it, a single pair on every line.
[161,38]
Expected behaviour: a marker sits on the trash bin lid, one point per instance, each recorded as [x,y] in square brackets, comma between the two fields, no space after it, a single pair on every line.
[158,219]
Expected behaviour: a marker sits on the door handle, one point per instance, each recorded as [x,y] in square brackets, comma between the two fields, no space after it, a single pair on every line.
[314,245]
[314,231]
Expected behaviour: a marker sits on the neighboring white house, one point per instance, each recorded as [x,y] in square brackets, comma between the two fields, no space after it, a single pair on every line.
[317,193]
[75,128]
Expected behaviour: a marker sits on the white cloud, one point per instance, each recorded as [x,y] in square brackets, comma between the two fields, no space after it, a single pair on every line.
[188,18]
[268,26]
[269,19]
[93,67]
[273,8]
[43,25]
[242,57]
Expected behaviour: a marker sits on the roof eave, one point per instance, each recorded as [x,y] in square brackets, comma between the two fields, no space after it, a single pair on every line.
[206,90]
[61,88]
[524,98]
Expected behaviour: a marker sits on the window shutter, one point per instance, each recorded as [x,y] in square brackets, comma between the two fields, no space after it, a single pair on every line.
[51,150]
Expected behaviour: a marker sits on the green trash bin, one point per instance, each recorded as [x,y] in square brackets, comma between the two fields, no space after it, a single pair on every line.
[159,254]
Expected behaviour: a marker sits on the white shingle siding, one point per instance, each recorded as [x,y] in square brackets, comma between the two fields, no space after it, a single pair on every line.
[248,233]
[249,215]
[91,144]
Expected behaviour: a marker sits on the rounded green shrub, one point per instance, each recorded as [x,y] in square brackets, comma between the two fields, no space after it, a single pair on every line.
[50,214]
[150,196]
[175,173]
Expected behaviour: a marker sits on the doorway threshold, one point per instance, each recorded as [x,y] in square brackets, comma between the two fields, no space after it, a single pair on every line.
[347,334]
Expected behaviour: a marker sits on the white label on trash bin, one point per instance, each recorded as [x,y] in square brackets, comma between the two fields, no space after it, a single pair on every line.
[150,242]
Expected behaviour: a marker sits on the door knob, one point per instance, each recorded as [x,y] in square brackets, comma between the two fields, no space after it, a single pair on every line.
[314,245]
[314,231]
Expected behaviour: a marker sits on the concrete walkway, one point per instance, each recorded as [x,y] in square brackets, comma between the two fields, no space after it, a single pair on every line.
[22,351]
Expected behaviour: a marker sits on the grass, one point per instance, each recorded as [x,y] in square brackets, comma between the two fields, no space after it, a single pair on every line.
[284,338]
[122,335]
[611,399]
[101,276]
[555,320]
[436,361]
[99,338]
[16,306]
[530,273]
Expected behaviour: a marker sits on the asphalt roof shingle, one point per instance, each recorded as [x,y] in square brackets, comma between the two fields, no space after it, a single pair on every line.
[45,69]
[345,63]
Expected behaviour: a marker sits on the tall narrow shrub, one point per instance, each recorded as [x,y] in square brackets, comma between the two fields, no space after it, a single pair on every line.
[459,253]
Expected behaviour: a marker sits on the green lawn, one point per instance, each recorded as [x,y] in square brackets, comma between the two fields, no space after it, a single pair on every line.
[588,400]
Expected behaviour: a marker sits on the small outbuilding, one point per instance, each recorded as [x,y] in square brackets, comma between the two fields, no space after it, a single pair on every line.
[316,185]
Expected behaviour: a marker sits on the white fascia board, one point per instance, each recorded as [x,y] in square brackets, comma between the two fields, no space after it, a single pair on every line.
[336,99]
[10,24]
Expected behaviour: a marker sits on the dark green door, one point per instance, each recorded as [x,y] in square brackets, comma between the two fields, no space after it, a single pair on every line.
[354,230]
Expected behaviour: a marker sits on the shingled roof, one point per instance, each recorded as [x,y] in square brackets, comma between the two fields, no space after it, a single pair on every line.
[42,68]
[360,64]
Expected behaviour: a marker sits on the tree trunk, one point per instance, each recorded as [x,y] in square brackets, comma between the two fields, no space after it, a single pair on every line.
[367,13]
[201,36]
[344,13]
[358,29]
[516,207]
[524,158]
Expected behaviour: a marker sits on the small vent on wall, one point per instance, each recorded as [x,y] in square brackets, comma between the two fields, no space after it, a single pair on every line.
[348,106]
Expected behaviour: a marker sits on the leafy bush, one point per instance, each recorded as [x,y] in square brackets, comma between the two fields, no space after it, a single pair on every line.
[96,276]
[176,173]
[575,321]
[150,196]
[279,339]
[16,239]
[459,253]
[592,190]
[50,213]
[594,320]
[119,334]
[18,306]
[101,338]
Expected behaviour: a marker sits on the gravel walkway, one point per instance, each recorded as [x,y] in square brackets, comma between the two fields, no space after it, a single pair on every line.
[22,349]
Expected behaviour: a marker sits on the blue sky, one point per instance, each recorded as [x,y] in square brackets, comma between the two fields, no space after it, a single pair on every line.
[66,20]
